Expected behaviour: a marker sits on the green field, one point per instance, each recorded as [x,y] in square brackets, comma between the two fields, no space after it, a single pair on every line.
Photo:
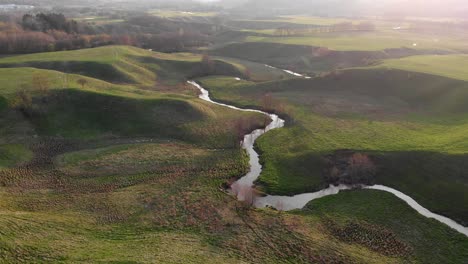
[366,216]
[14,155]
[395,116]
[369,41]
[171,202]
[107,155]
[451,66]
[121,64]
[178,14]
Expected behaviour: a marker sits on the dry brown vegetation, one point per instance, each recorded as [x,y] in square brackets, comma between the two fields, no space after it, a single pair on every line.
[373,237]
[349,167]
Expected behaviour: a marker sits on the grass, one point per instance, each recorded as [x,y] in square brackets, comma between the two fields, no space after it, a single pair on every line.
[14,79]
[178,14]
[13,155]
[309,59]
[121,65]
[89,231]
[369,41]
[430,242]
[113,63]
[451,66]
[173,197]
[113,165]
[3,103]
[396,116]
[307,20]
[101,109]
[90,190]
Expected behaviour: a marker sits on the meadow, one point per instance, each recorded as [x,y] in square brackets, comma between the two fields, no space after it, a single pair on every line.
[108,155]
[348,217]
[392,115]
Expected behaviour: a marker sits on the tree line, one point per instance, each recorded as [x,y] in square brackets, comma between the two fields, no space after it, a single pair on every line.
[54,32]
[339,27]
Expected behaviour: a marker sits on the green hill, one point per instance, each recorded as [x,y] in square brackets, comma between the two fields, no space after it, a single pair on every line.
[313,59]
[108,155]
[121,64]
[399,118]
[451,66]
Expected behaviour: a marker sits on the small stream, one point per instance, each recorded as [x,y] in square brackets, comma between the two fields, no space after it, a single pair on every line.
[289,72]
[287,203]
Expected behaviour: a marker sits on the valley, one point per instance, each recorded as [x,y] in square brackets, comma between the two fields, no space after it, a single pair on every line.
[205,136]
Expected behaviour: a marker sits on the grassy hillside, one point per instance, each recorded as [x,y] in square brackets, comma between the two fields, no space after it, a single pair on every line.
[313,59]
[130,166]
[368,41]
[13,155]
[54,194]
[380,221]
[98,202]
[451,66]
[122,64]
[115,63]
[398,118]
[78,107]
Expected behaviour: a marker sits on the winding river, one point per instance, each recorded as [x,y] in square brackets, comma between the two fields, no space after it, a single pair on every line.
[287,203]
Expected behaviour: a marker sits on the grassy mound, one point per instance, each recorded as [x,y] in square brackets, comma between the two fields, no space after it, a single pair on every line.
[123,64]
[78,114]
[113,63]
[79,107]
[22,79]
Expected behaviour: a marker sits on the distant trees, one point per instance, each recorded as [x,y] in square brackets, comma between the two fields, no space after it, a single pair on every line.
[339,27]
[45,22]
[15,39]
[54,32]
[20,41]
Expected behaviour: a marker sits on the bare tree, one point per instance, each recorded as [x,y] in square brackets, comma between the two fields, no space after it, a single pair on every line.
[361,168]
[244,193]
[82,82]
